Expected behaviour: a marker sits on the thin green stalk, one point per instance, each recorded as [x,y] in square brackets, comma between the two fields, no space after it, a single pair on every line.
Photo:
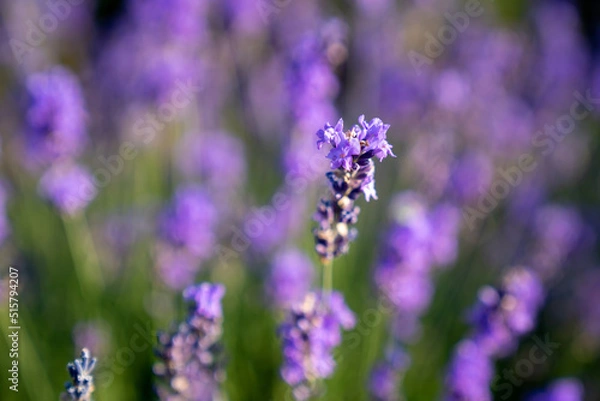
[327,276]
[85,258]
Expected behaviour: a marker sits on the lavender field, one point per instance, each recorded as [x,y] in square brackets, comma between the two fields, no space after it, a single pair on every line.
[299,200]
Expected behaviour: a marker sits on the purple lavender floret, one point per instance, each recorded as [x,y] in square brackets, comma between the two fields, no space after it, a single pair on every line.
[560,390]
[499,319]
[68,186]
[291,277]
[190,362]
[470,374]
[55,116]
[386,376]
[502,316]
[189,221]
[81,386]
[353,173]
[207,299]
[217,158]
[309,334]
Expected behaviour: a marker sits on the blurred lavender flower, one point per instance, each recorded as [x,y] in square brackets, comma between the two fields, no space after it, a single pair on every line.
[81,387]
[387,375]
[354,173]
[309,334]
[290,279]
[55,117]
[190,362]
[499,318]
[189,221]
[560,390]
[95,336]
[419,239]
[68,186]
[556,230]
[470,374]
[217,158]
[187,238]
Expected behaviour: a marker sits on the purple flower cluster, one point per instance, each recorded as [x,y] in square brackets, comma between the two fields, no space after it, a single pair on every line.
[68,186]
[190,362]
[217,159]
[55,136]
[290,279]
[499,319]
[386,376]
[55,117]
[353,173]
[81,386]
[420,239]
[310,332]
[186,230]
[560,390]
[470,374]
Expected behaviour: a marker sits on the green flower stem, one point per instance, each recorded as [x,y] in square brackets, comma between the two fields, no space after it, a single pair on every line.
[85,258]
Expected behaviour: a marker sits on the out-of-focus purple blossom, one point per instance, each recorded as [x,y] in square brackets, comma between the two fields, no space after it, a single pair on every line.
[189,221]
[499,319]
[177,267]
[309,334]
[68,186]
[55,117]
[93,335]
[556,231]
[291,277]
[502,316]
[469,374]
[190,359]
[560,390]
[207,299]
[217,158]
[353,173]
[387,375]
[471,176]
[419,239]
[158,47]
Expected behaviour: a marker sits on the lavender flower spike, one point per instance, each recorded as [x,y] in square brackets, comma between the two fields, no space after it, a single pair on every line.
[82,385]
[190,363]
[310,333]
[351,155]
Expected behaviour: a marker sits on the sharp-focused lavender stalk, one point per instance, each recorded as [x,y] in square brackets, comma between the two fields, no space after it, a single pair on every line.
[310,333]
[560,390]
[186,230]
[500,317]
[190,359]
[55,117]
[81,386]
[353,173]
